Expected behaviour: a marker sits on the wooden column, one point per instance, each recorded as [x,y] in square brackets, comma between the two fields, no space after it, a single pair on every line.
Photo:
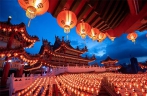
[20,71]
[5,73]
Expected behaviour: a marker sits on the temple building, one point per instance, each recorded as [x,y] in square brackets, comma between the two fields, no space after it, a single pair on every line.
[110,64]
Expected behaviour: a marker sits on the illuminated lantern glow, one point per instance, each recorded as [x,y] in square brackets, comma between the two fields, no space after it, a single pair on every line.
[101,37]
[110,37]
[93,34]
[34,7]
[82,29]
[67,20]
[132,36]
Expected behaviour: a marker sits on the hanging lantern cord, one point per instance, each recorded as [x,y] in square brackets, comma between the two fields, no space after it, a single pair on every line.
[84,41]
[134,42]
[29,22]
[67,36]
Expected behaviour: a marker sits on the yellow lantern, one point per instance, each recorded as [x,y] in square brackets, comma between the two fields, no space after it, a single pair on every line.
[34,7]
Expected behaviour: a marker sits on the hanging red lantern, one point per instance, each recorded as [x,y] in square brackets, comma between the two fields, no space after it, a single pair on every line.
[82,29]
[67,20]
[132,36]
[34,7]
[101,37]
[93,34]
[110,37]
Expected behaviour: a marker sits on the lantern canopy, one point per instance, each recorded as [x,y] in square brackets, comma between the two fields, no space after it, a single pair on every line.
[34,7]
[82,29]
[93,33]
[132,36]
[67,20]
[101,37]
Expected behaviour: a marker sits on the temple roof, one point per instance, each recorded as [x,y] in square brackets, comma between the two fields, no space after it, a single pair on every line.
[62,43]
[112,16]
[109,60]
[16,33]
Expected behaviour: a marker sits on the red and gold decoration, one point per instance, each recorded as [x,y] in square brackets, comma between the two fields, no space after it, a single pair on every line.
[34,7]
[93,34]
[101,37]
[82,29]
[67,20]
[132,36]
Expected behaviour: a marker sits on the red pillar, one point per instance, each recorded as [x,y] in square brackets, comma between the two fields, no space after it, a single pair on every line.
[20,71]
[5,73]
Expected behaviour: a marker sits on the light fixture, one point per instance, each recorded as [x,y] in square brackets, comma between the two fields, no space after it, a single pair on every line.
[34,7]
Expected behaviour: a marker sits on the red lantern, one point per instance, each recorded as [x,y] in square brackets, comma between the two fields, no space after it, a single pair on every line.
[67,20]
[110,37]
[132,36]
[82,29]
[34,7]
[93,34]
[101,37]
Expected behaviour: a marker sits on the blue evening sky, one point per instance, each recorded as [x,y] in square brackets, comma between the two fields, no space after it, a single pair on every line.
[46,27]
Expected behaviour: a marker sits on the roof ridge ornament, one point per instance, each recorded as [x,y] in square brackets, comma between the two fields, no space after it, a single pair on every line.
[9,19]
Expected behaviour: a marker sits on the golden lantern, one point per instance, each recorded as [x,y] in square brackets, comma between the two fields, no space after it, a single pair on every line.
[101,37]
[110,37]
[82,29]
[67,20]
[93,33]
[132,36]
[34,7]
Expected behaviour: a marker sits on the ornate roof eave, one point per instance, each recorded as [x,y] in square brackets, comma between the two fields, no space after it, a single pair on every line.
[107,62]
[20,28]
[33,68]
[32,59]
[67,57]
[63,44]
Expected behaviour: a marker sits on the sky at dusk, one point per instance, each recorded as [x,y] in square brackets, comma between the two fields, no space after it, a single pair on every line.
[46,27]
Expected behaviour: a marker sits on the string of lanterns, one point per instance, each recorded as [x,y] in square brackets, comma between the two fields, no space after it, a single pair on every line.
[67,20]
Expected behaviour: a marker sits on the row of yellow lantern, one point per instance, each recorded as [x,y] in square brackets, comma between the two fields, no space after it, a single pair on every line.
[60,88]
[35,87]
[126,84]
[79,83]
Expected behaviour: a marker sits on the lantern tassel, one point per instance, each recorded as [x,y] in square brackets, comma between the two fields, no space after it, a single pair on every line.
[29,23]
[67,37]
